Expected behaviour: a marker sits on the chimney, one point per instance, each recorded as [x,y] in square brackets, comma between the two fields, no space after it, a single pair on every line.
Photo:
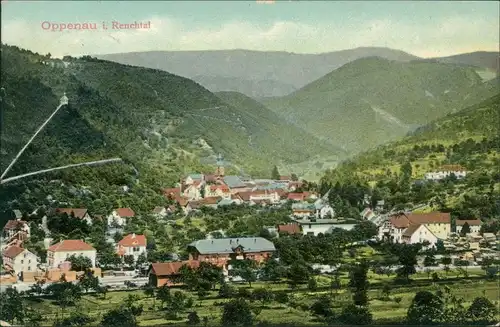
[133,235]
[237,240]
[255,240]
[230,241]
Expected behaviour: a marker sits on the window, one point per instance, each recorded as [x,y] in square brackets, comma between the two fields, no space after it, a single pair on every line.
[29,261]
[22,261]
[29,268]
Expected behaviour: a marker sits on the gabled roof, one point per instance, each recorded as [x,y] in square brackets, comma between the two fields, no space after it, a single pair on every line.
[125,212]
[233,181]
[171,268]
[196,176]
[79,213]
[13,224]
[475,222]
[296,196]
[70,245]
[403,221]
[411,230]
[13,251]
[227,245]
[222,187]
[292,228]
[173,191]
[430,218]
[133,240]
[225,202]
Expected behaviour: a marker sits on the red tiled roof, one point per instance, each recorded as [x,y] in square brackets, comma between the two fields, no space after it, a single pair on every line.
[289,228]
[285,178]
[210,178]
[13,251]
[171,268]
[133,240]
[125,212]
[410,230]
[430,218]
[210,200]
[183,201]
[404,221]
[475,222]
[296,196]
[79,213]
[70,245]
[452,168]
[222,187]
[399,221]
[13,224]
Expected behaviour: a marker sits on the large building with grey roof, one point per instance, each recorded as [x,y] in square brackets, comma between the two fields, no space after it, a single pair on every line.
[221,251]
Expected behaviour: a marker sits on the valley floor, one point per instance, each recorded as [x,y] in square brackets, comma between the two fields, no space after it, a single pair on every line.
[385,311]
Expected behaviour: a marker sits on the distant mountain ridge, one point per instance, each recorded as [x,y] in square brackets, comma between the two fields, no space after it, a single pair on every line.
[150,117]
[373,100]
[213,69]
[262,74]
[481,59]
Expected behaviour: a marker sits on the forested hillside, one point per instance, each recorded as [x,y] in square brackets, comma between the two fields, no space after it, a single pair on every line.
[160,124]
[469,138]
[371,101]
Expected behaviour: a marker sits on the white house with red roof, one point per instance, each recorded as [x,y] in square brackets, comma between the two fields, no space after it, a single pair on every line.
[438,223]
[79,213]
[217,190]
[18,259]
[58,253]
[133,245]
[120,216]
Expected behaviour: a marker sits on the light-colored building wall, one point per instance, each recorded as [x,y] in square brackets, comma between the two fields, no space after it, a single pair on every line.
[54,259]
[25,261]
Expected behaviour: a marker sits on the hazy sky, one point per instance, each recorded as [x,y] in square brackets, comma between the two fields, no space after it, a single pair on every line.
[422,28]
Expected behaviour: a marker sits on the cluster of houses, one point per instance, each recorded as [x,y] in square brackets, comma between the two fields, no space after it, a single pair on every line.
[446,171]
[20,263]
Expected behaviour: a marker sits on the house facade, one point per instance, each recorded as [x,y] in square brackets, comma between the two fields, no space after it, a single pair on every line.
[58,253]
[474,225]
[165,273]
[16,228]
[446,171]
[221,251]
[419,234]
[120,216]
[18,260]
[133,245]
[217,190]
[303,209]
[438,223]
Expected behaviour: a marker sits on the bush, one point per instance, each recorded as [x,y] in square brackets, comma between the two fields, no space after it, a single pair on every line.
[356,315]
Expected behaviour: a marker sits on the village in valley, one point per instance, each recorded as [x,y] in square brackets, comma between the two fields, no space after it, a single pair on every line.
[294,164]
[309,214]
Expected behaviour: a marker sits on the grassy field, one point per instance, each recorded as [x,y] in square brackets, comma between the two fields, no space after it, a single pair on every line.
[297,310]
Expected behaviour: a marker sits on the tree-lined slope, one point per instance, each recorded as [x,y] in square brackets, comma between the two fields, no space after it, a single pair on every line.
[372,101]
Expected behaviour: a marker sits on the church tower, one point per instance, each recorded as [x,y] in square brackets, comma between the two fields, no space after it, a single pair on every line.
[220,166]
